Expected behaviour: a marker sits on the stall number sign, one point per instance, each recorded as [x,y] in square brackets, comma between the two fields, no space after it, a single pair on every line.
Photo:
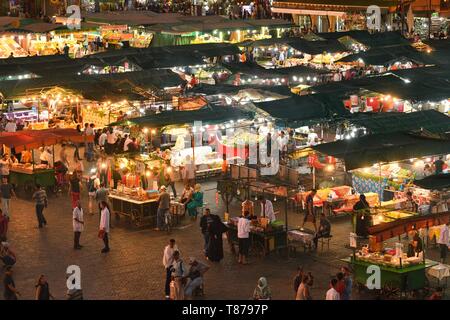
[74,20]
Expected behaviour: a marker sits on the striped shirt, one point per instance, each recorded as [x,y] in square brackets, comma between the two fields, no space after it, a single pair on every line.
[41,197]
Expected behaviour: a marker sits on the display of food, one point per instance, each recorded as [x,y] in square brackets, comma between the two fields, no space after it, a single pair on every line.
[27,167]
[388,260]
[137,194]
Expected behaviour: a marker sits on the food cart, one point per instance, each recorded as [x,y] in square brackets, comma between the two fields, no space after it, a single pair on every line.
[395,279]
[399,273]
[264,238]
[26,177]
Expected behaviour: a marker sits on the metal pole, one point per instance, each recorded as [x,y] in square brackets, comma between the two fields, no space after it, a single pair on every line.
[429,19]
[193,157]
[379,181]
[314,177]
[286,222]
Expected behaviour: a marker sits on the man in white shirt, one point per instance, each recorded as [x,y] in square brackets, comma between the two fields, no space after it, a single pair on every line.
[332,293]
[5,164]
[243,233]
[168,262]
[11,126]
[102,139]
[179,273]
[313,138]
[78,225]
[126,143]
[267,209]
[111,139]
[88,129]
[282,142]
[46,157]
[443,241]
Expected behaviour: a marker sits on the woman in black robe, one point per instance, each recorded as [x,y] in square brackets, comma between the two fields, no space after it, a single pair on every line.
[215,246]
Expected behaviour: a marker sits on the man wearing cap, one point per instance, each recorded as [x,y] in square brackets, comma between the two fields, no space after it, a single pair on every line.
[195,276]
[163,207]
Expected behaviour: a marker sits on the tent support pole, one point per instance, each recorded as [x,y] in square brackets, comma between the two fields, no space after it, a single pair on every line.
[379,181]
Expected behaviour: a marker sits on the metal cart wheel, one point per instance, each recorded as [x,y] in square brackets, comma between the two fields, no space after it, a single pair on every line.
[390,291]
[257,249]
[136,217]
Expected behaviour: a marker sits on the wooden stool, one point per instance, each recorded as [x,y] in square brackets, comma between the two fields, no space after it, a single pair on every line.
[323,240]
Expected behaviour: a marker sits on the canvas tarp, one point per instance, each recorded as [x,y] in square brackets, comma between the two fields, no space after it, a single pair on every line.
[434,182]
[385,147]
[389,55]
[207,115]
[304,109]
[429,120]
[32,139]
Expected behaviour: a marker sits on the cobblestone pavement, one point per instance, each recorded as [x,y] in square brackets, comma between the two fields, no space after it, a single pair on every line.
[133,268]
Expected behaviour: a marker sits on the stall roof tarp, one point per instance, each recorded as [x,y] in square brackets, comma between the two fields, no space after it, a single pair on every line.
[425,84]
[300,44]
[171,56]
[207,115]
[96,87]
[441,50]
[304,109]
[378,39]
[210,90]
[387,55]
[434,182]
[32,139]
[389,230]
[429,120]
[254,69]
[385,147]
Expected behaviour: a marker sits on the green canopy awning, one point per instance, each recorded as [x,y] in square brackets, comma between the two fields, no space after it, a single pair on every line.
[387,55]
[429,120]
[434,182]
[371,149]
[372,40]
[207,115]
[298,110]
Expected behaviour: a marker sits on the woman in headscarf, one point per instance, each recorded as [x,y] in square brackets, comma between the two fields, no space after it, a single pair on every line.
[196,201]
[215,244]
[262,290]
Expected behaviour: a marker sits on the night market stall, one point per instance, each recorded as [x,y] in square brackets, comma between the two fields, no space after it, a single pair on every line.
[26,172]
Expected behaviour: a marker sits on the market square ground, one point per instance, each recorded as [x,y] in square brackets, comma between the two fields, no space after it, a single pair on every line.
[133,269]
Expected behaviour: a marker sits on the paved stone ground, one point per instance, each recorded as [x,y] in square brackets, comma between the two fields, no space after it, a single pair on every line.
[133,268]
